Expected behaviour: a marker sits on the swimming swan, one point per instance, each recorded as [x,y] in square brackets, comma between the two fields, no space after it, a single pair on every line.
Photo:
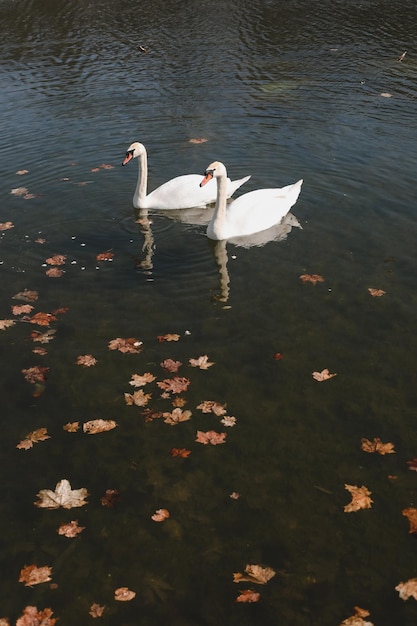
[251,213]
[181,192]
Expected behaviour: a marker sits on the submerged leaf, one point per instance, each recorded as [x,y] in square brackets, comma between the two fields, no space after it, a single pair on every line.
[323,375]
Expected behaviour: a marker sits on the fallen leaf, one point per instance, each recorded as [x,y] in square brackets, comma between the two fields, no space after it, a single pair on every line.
[138,398]
[110,498]
[180,452]
[54,272]
[19,309]
[93,427]
[357,618]
[177,416]
[62,496]
[360,498]
[106,166]
[174,385]
[42,319]
[32,575]
[150,415]
[35,374]
[41,351]
[210,406]
[6,225]
[171,366]
[179,402]
[58,259]
[210,437]
[376,293]
[169,337]
[234,495]
[197,140]
[72,427]
[19,191]
[202,362]
[86,360]
[45,337]
[130,345]
[277,356]
[160,515]
[229,421]
[407,589]
[385,94]
[33,437]
[248,595]
[96,610]
[32,617]
[138,380]
[71,529]
[6,324]
[411,515]
[312,278]
[26,295]
[255,574]
[123,594]
[21,172]
[323,375]
[377,446]
[412,465]
[105,256]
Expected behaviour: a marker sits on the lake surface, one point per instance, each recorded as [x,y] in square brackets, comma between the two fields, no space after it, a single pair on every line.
[281,91]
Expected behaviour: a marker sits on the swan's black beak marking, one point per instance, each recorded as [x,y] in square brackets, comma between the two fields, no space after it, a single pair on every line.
[208,175]
[129,157]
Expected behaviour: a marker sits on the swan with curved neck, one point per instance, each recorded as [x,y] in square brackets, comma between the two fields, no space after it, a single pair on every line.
[181,192]
[252,212]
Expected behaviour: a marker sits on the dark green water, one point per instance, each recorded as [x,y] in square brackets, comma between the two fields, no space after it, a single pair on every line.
[280,91]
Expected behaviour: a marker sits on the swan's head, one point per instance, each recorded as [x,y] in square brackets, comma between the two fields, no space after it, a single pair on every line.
[134,150]
[214,170]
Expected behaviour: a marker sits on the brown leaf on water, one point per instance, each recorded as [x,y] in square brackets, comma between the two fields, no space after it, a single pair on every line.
[248,595]
[150,415]
[407,589]
[57,259]
[62,496]
[70,530]
[412,465]
[171,366]
[312,278]
[96,610]
[160,515]
[45,337]
[40,351]
[60,311]
[106,166]
[110,498]
[210,437]
[376,293]
[360,498]
[54,272]
[139,380]
[229,421]
[26,295]
[255,574]
[138,398]
[105,256]
[42,319]
[174,385]
[130,345]
[411,515]
[19,309]
[4,621]
[86,360]
[19,191]
[35,374]
[357,618]
[202,362]
[32,617]
[211,406]
[183,453]
[72,427]
[169,337]
[93,427]
[323,375]
[377,446]
[22,172]
[123,594]
[34,437]
[6,324]
[6,225]
[32,575]
[197,140]
[179,402]
[177,416]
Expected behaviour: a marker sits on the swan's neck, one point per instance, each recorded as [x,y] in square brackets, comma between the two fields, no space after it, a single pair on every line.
[139,199]
[219,217]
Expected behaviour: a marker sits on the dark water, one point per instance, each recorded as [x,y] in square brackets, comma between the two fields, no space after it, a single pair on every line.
[280,91]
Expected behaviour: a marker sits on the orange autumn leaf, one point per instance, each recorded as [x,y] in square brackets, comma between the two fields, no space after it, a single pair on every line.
[138,398]
[6,324]
[407,589]
[26,295]
[42,319]
[6,226]
[210,406]
[160,515]
[377,446]
[255,574]
[210,437]
[70,530]
[139,380]
[176,417]
[169,337]
[312,278]
[62,496]
[376,293]
[58,259]
[248,595]
[357,618]
[323,375]
[32,617]
[183,453]
[93,427]
[130,345]
[86,360]
[96,610]
[171,366]
[35,374]
[174,385]
[360,498]
[202,362]
[32,575]
[19,309]
[105,256]
[411,514]
[72,427]
[33,437]
[123,594]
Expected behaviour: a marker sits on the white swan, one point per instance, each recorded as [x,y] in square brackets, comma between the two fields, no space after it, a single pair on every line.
[181,192]
[251,213]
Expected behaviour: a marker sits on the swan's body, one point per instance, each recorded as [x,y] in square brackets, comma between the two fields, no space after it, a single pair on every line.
[182,192]
[251,213]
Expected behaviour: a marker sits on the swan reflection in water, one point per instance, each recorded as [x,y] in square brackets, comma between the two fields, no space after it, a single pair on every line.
[201,217]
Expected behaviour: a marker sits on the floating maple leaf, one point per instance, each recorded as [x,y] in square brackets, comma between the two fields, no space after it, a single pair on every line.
[169,337]
[377,446]
[360,498]
[35,374]
[105,256]
[62,496]
[407,589]
[210,437]
[174,385]
[41,351]
[130,345]
[202,362]
[123,594]
[198,140]
[139,398]
[19,191]
[160,515]
[171,366]
[177,416]
[376,293]
[357,619]
[138,380]
[228,420]
[33,575]
[70,530]
[58,259]
[72,427]
[33,437]
[54,272]
[98,426]
[42,319]
[312,278]
[183,453]
[255,574]
[19,309]
[110,498]
[6,225]
[26,295]
[248,595]
[86,360]
[411,515]
[96,610]
[323,375]
[32,617]
[45,337]
[6,324]
[210,406]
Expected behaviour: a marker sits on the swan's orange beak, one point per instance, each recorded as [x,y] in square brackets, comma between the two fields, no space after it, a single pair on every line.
[208,176]
[129,157]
